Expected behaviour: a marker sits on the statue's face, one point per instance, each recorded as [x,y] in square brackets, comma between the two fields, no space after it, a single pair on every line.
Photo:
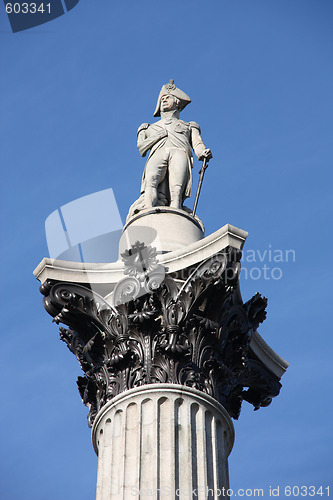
[168,102]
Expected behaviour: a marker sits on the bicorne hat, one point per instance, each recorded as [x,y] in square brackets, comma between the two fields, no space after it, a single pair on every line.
[171,89]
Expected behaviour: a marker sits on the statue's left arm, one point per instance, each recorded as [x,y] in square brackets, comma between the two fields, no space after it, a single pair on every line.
[197,143]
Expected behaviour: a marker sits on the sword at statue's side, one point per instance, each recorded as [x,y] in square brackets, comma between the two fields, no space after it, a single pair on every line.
[202,173]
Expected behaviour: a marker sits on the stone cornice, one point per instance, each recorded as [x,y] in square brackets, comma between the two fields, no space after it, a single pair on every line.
[111,273]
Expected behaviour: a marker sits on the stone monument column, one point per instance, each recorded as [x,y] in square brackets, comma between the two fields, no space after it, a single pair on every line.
[168,349]
[162,441]
[168,359]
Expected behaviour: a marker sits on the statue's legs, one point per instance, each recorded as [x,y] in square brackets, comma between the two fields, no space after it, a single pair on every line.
[176,162]
[156,169]
[178,176]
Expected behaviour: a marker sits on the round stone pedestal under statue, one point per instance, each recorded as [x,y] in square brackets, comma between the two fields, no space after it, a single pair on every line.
[162,441]
[167,229]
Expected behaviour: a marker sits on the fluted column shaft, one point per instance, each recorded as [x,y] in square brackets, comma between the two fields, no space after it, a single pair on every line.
[162,441]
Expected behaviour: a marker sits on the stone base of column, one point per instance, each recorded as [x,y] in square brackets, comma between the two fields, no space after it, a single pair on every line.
[166,229]
[162,441]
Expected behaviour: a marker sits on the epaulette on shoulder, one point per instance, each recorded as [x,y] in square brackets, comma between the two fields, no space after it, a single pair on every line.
[144,126]
[194,125]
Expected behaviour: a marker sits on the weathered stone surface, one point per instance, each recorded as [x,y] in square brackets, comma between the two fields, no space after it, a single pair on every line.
[110,274]
[162,441]
[167,229]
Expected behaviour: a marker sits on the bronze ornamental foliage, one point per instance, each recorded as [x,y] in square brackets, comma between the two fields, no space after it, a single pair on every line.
[194,332]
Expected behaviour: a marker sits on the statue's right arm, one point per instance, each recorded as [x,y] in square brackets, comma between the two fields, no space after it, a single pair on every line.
[145,141]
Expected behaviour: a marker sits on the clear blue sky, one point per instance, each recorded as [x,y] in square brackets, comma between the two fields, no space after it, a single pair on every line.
[73,93]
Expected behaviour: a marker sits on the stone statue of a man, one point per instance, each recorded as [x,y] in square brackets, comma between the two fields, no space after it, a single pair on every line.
[167,178]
